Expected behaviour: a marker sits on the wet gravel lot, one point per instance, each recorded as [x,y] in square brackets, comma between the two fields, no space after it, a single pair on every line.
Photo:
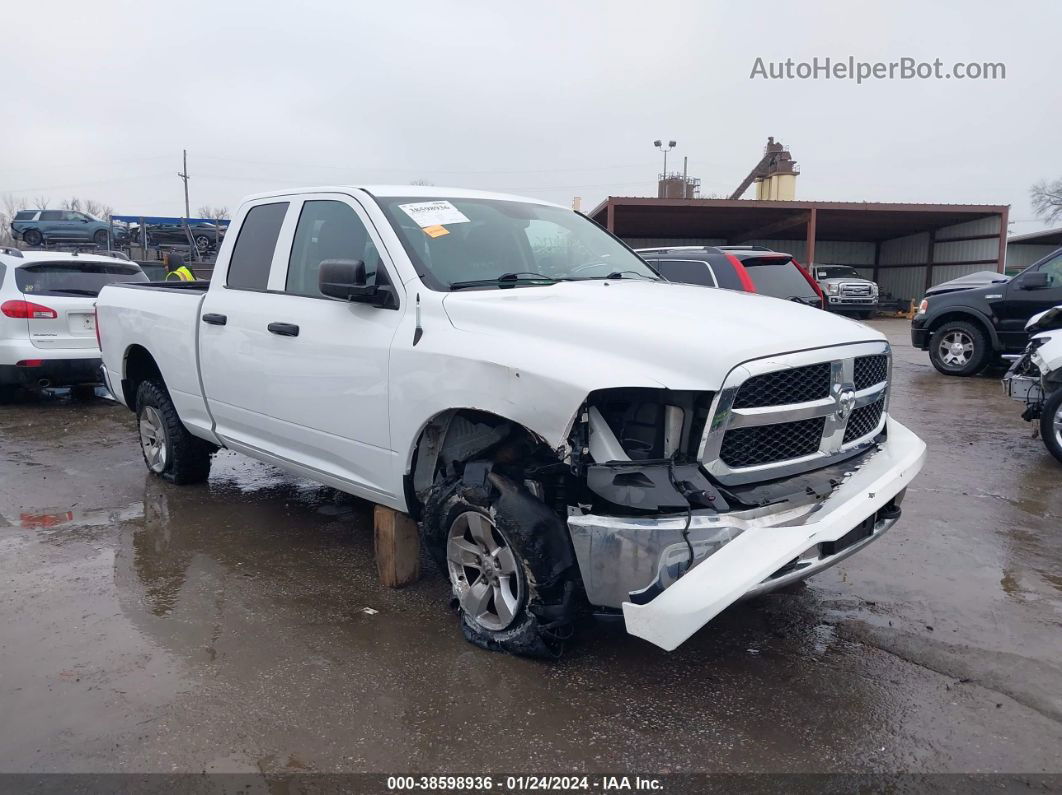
[238,626]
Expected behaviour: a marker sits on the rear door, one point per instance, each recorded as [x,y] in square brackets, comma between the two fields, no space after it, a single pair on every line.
[63,295]
[51,225]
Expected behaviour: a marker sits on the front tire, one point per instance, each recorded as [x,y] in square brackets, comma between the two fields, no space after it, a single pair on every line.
[959,348]
[510,564]
[100,238]
[202,243]
[1051,424]
[169,450]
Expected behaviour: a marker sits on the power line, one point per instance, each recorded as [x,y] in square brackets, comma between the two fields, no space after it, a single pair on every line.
[87,182]
[82,163]
[333,167]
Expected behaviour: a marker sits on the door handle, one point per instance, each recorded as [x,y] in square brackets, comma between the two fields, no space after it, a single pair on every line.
[284,329]
[215,319]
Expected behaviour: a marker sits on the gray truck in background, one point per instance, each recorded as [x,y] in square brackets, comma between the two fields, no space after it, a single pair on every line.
[845,291]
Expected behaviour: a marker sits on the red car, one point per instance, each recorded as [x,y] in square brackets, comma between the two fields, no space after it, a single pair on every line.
[752,269]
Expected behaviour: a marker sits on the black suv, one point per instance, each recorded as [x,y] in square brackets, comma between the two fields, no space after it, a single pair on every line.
[965,331]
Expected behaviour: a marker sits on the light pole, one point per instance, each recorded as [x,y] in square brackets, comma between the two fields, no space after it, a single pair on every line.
[660,145]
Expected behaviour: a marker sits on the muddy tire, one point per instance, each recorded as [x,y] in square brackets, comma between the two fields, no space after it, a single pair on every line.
[511,566]
[959,348]
[169,450]
[1051,424]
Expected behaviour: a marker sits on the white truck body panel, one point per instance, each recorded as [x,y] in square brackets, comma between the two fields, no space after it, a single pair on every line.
[346,400]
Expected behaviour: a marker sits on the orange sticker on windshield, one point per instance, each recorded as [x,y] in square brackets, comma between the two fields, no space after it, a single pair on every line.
[436,231]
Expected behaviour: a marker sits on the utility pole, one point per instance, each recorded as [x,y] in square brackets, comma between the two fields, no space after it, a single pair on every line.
[187,207]
[184,176]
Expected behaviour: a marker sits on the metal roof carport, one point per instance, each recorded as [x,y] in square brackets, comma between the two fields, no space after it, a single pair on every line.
[1024,250]
[906,248]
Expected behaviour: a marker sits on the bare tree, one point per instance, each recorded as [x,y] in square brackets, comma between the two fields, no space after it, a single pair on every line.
[73,203]
[98,209]
[41,203]
[11,205]
[213,213]
[1047,199]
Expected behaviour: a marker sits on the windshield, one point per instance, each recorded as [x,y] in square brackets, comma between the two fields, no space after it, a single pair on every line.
[458,243]
[836,272]
[74,278]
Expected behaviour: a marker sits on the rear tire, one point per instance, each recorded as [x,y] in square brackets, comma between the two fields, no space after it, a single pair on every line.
[32,237]
[959,348]
[499,539]
[1051,424]
[169,450]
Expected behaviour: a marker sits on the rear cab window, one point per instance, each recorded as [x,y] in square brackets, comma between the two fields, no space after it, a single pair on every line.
[252,255]
[778,277]
[73,278]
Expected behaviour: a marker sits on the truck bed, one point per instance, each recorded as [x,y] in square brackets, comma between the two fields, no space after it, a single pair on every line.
[163,319]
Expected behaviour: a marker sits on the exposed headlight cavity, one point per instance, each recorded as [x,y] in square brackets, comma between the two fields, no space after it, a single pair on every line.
[646,424]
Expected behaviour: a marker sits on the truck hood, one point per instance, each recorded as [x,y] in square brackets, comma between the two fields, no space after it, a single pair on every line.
[634,332]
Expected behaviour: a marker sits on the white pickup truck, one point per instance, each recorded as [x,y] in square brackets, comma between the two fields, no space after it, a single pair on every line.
[571,431]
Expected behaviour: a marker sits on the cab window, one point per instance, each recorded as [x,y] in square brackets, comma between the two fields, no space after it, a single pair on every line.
[328,230]
[253,253]
[1053,268]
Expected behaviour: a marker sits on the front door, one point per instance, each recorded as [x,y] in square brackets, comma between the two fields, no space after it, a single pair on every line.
[1022,303]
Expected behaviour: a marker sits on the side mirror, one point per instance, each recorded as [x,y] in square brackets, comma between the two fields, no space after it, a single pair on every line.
[345,279]
[1037,280]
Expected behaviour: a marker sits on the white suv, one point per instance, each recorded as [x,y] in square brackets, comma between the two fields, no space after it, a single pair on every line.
[47,316]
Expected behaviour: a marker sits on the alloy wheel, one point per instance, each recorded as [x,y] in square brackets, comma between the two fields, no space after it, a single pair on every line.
[956,349]
[153,439]
[1056,423]
[483,572]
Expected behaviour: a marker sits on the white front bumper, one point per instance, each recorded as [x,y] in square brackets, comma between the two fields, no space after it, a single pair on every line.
[741,565]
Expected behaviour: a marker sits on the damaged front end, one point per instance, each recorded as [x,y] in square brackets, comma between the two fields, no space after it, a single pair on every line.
[792,466]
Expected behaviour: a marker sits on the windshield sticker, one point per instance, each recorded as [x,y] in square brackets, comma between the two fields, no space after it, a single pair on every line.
[435,213]
[436,231]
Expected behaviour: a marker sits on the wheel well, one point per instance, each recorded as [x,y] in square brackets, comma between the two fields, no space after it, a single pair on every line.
[966,317]
[456,436]
[140,366]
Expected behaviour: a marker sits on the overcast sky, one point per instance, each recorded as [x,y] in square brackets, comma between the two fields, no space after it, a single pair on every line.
[549,99]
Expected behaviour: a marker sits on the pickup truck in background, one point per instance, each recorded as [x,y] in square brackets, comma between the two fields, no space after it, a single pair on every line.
[965,331]
[571,431]
[846,291]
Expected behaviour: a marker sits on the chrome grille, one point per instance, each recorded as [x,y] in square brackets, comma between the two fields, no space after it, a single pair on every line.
[746,447]
[855,288]
[796,412]
[863,421]
[797,385]
[870,370]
